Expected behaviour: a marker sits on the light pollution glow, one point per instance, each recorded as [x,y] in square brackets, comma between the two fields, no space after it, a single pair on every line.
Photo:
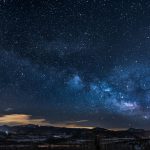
[21,119]
[24,119]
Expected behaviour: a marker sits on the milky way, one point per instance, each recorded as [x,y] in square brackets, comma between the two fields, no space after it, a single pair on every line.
[82,62]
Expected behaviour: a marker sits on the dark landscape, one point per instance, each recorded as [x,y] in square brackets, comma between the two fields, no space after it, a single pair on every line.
[32,137]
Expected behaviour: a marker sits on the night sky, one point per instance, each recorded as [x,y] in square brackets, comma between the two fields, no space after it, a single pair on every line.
[75,63]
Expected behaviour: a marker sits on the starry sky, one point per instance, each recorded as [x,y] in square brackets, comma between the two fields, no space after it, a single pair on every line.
[75,63]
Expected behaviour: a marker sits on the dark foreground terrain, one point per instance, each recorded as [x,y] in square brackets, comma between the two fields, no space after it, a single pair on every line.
[33,137]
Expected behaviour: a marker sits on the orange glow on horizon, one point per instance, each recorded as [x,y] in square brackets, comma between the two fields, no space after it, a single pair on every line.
[21,119]
[24,119]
